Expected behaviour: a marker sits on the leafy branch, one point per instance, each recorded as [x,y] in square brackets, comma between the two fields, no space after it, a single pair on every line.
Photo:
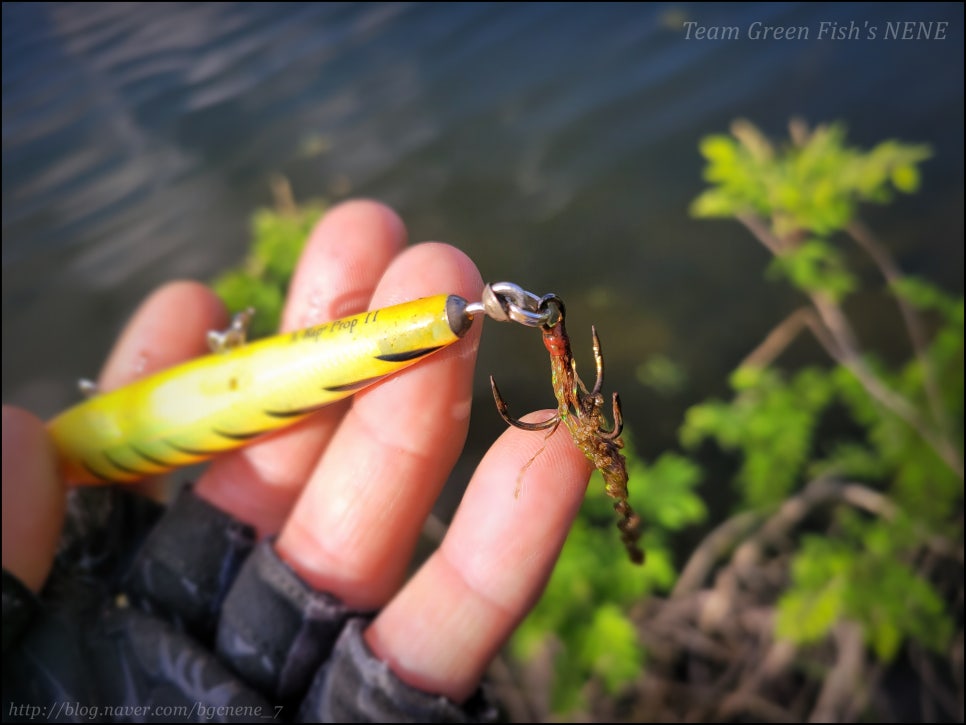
[871,579]
[791,202]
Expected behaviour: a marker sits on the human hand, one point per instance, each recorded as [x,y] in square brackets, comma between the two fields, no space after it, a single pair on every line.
[345,493]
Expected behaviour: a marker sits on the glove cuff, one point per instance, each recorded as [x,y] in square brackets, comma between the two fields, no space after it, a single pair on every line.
[188,563]
[355,686]
[275,630]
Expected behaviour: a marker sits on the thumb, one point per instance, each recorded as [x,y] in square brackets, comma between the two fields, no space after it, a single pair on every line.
[33,498]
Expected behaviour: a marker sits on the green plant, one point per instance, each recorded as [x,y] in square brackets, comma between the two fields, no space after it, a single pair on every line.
[262,279]
[898,478]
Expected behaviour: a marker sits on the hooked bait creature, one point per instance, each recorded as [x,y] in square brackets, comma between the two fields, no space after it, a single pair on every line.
[580,410]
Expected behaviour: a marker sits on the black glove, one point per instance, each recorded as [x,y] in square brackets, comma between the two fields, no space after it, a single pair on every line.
[194,623]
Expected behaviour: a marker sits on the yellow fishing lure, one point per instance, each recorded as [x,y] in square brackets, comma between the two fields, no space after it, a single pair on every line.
[221,401]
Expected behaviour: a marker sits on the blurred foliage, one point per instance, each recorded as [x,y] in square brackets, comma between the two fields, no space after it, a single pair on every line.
[261,280]
[815,265]
[861,575]
[813,185]
[797,201]
[772,455]
[662,374]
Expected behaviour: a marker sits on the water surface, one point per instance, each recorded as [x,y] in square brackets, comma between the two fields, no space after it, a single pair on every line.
[554,143]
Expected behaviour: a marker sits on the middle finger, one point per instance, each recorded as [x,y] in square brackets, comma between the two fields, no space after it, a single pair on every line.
[354,528]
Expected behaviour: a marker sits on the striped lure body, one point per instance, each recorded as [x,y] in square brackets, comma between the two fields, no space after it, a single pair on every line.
[221,401]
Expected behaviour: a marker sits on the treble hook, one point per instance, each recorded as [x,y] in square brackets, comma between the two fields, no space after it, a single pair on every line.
[573,398]
[504,410]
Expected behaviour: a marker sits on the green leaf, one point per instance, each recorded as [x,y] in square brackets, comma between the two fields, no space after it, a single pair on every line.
[713,203]
[239,290]
[861,576]
[850,459]
[886,639]
[905,177]
[720,150]
[805,617]
[262,280]
[611,648]
[279,238]
[770,422]
[927,296]
[816,266]
[663,493]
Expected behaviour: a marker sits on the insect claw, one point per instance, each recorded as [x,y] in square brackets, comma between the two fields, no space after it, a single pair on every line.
[598,361]
[618,421]
[504,412]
